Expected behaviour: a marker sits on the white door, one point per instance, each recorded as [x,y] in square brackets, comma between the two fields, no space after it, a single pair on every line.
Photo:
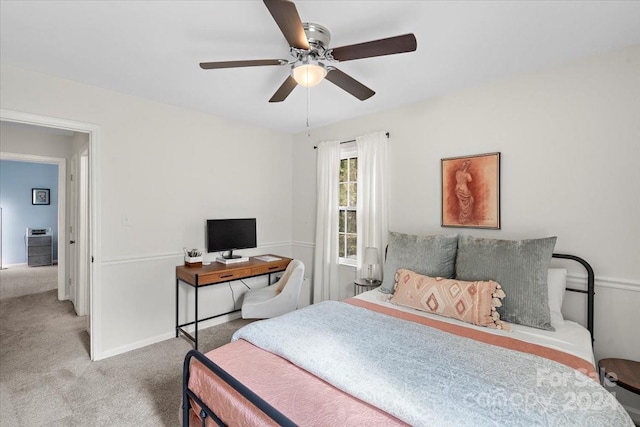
[73,226]
[79,257]
[82,236]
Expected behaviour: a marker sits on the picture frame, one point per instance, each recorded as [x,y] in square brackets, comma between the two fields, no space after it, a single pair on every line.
[471,191]
[40,196]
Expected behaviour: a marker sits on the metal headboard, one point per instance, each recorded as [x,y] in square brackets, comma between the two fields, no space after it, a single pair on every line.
[590,291]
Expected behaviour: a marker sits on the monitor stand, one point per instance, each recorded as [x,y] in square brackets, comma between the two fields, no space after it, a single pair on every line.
[231,255]
[231,258]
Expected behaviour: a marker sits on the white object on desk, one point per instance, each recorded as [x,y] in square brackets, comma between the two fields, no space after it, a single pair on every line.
[232,260]
[268,258]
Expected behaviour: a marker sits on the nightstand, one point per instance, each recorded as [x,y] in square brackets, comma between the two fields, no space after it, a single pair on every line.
[625,373]
[361,285]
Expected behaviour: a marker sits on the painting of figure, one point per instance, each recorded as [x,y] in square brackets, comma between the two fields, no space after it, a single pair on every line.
[471,191]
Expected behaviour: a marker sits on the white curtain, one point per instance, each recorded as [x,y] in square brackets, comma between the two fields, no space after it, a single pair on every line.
[372,216]
[325,276]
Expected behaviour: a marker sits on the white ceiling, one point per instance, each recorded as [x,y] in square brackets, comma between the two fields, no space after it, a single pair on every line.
[152,49]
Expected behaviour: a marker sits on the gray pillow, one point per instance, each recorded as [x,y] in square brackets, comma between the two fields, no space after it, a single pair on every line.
[520,266]
[433,256]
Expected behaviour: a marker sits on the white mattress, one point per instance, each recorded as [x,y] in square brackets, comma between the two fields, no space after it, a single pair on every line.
[569,337]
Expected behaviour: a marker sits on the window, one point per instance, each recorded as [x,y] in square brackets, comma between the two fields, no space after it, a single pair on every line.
[347,222]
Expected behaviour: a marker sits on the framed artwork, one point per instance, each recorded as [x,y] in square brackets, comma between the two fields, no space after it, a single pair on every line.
[471,191]
[40,196]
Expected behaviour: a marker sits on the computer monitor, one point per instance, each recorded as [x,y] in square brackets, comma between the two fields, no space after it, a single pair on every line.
[230,234]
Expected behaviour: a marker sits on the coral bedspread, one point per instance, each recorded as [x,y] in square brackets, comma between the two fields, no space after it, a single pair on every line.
[308,400]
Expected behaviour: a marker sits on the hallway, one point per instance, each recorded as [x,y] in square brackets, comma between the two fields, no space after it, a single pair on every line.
[19,280]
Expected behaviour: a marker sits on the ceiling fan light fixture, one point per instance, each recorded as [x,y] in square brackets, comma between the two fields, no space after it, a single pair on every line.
[309,43]
[308,73]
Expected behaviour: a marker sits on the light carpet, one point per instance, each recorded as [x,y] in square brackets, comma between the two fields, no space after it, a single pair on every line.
[18,280]
[47,378]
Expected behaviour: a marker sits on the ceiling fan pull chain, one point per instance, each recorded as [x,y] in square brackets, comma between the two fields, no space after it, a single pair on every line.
[308,108]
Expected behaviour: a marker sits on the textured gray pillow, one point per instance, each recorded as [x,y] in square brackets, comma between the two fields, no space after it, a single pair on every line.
[433,256]
[520,266]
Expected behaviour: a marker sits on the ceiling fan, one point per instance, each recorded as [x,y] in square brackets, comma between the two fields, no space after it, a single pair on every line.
[310,51]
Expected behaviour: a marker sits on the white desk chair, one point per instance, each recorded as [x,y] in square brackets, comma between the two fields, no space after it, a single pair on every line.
[279,298]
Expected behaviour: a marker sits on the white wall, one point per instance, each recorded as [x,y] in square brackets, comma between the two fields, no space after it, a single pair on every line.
[569,139]
[34,140]
[163,171]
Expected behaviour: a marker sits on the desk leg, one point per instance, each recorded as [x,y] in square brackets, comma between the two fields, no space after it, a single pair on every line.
[196,320]
[177,305]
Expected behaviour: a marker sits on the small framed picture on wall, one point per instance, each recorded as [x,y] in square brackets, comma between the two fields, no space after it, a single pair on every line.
[40,196]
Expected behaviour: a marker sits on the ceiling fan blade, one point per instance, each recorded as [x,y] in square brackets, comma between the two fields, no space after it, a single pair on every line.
[388,46]
[286,16]
[235,64]
[349,84]
[284,90]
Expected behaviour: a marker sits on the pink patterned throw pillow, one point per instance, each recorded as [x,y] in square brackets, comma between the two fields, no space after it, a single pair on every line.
[471,302]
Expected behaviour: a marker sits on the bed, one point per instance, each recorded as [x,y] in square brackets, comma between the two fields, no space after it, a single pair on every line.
[370,360]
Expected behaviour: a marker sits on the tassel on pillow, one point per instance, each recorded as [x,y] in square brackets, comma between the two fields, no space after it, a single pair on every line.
[471,302]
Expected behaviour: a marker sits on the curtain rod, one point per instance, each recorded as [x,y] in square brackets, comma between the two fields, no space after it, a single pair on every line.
[315,147]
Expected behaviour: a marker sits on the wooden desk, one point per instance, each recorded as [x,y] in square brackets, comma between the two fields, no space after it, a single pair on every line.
[217,273]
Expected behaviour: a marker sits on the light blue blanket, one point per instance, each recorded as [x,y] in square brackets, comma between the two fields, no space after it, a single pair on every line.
[427,377]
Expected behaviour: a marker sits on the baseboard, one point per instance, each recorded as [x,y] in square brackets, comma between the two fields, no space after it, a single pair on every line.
[163,337]
[24,264]
[134,346]
[20,264]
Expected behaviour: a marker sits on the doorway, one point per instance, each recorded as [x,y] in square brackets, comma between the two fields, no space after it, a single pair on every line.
[86,230]
[60,163]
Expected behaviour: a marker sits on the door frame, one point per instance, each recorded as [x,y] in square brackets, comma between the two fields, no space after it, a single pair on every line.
[95,294]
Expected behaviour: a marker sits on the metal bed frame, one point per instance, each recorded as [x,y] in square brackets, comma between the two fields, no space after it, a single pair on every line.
[277,416]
